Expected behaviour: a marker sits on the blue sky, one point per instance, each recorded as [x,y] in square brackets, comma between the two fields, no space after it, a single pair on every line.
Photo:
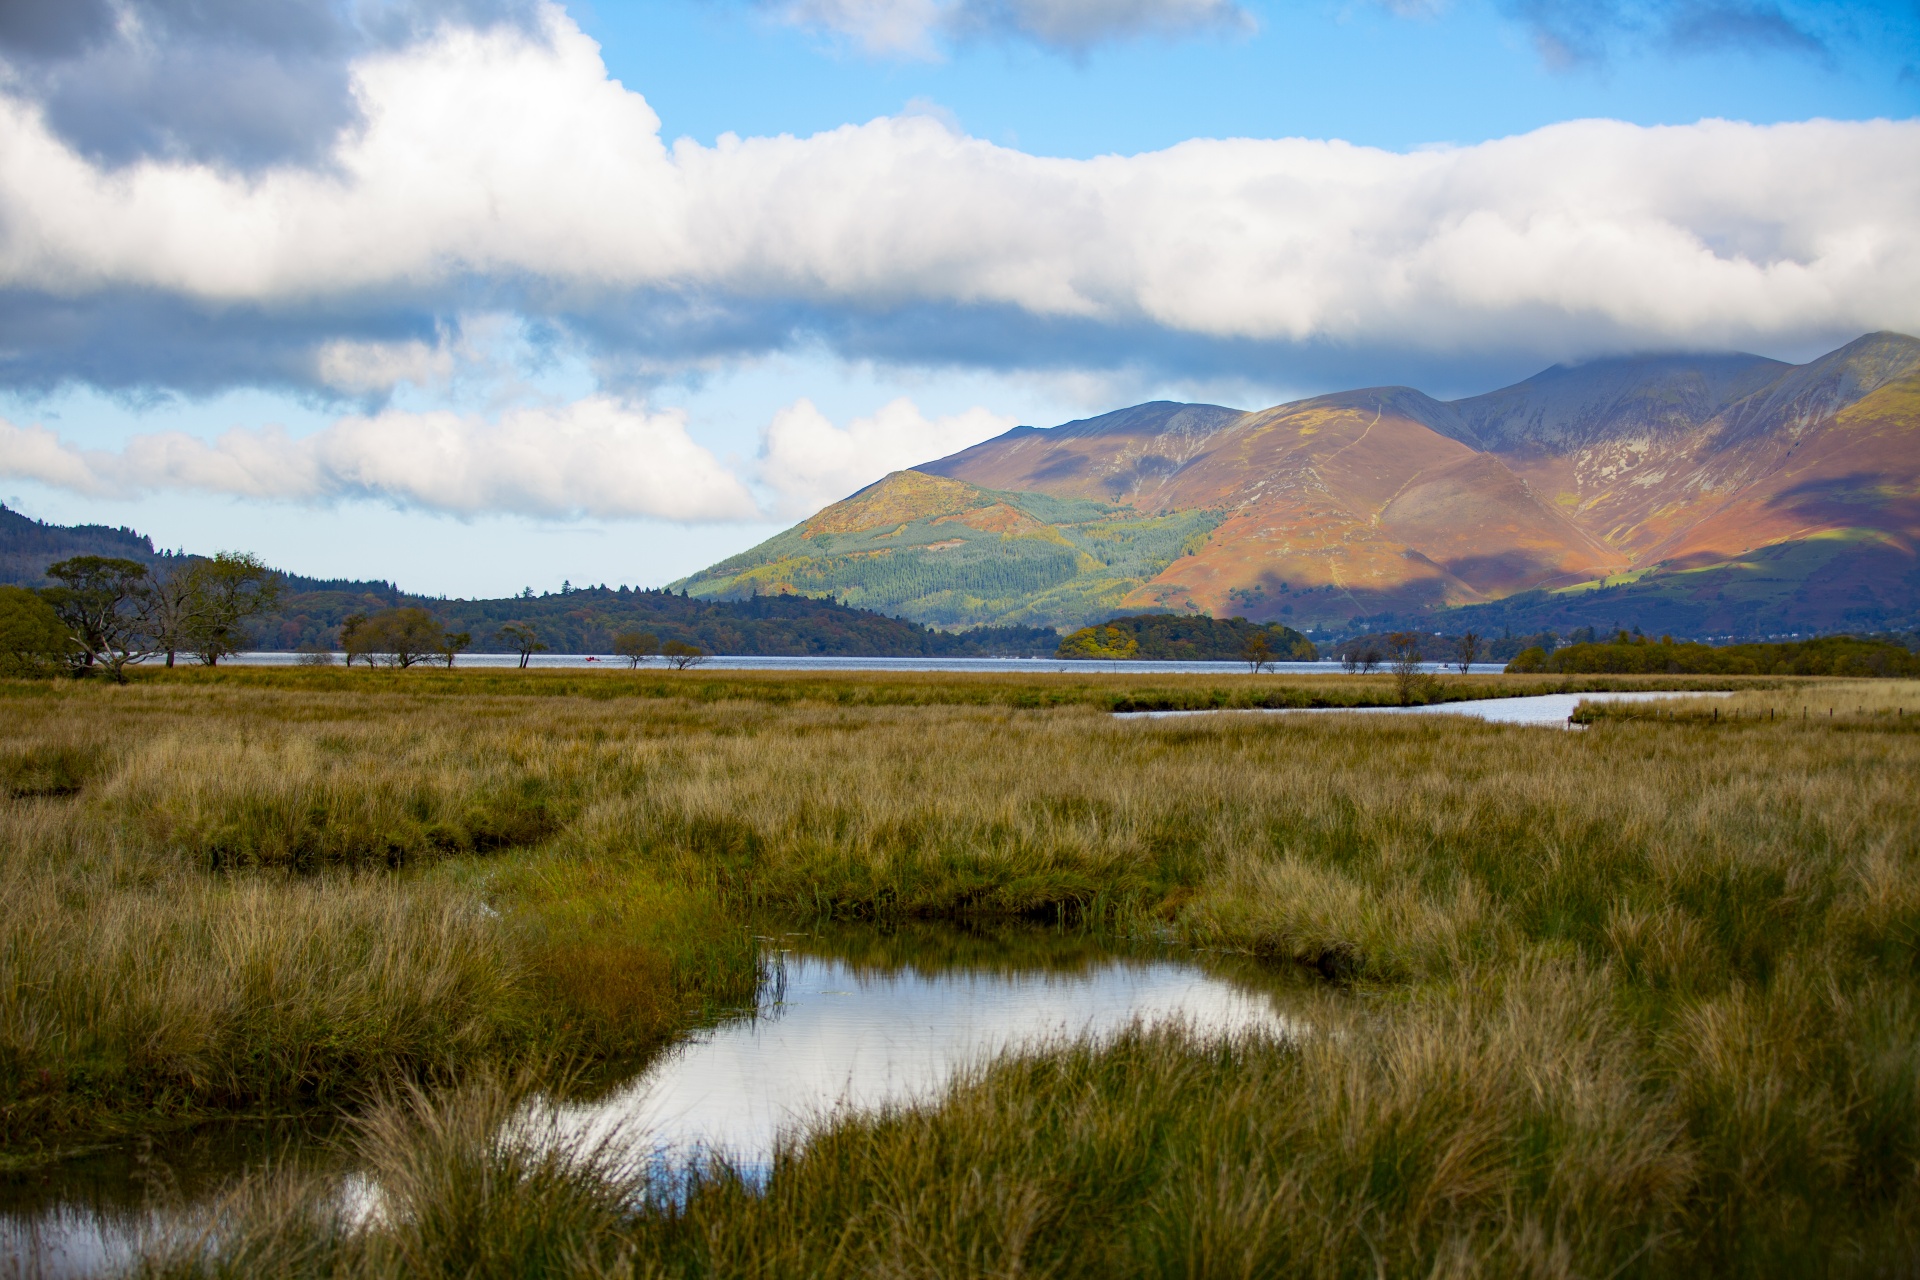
[436,292]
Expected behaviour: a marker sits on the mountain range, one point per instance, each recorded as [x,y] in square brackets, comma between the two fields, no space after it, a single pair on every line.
[1700,494]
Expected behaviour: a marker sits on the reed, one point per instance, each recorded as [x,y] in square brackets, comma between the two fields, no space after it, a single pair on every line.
[1639,1000]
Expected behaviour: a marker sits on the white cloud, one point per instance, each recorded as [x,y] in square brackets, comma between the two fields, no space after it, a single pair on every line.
[496,156]
[361,368]
[594,457]
[901,27]
[809,462]
[915,28]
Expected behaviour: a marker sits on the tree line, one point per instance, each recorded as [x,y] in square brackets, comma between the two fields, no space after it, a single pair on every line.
[1627,654]
[104,614]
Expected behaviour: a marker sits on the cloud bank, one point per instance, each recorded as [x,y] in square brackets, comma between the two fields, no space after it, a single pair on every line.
[596,457]
[501,169]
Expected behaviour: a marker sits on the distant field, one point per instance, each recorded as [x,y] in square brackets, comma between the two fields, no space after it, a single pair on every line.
[1643,1000]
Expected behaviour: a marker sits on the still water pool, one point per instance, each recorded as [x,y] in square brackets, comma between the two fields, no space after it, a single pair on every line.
[831,1036]
[1553,709]
[847,1022]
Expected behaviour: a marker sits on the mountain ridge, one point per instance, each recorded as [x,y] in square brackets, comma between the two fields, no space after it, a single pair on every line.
[1385,501]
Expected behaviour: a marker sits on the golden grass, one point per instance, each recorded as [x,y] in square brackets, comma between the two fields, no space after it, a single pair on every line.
[1639,1000]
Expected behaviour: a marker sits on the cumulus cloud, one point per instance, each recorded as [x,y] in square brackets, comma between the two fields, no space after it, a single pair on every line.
[506,171]
[595,457]
[916,28]
[808,462]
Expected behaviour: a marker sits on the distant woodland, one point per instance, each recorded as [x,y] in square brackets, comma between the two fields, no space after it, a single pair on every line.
[309,612]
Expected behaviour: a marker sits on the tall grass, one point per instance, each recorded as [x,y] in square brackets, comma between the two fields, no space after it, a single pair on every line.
[1643,999]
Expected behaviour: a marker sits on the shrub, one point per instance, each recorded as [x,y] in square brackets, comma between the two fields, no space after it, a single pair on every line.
[33,642]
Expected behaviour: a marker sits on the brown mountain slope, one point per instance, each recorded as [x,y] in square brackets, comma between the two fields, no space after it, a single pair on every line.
[1640,485]
[1335,505]
[1726,491]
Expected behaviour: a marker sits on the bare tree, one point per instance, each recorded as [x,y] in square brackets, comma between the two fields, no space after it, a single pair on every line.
[102,601]
[1370,659]
[680,655]
[1466,649]
[171,602]
[525,639]
[636,646]
[1256,653]
[1404,648]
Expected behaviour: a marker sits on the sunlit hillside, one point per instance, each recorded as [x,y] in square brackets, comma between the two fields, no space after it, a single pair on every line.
[1697,494]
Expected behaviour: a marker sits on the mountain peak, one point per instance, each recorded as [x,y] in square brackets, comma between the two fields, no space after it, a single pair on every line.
[1570,407]
[1110,458]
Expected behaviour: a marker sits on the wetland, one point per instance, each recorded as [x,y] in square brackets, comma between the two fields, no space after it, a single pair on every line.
[1021,986]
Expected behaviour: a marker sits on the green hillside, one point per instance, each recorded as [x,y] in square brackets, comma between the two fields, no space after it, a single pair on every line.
[948,554]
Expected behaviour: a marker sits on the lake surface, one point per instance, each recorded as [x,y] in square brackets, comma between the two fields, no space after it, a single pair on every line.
[855,1021]
[1544,709]
[736,662]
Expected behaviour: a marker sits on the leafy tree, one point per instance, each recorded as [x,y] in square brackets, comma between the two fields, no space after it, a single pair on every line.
[1528,661]
[1466,649]
[680,655]
[1099,642]
[225,592]
[1256,653]
[636,646]
[102,601]
[356,639]
[33,640]
[454,642]
[401,637]
[523,636]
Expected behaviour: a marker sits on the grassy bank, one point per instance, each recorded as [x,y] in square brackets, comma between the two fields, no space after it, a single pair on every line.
[1107,686]
[1639,1000]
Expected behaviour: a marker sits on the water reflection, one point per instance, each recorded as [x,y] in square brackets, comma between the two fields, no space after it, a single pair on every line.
[832,1035]
[1540,709]
[852,1018]
[85,1216]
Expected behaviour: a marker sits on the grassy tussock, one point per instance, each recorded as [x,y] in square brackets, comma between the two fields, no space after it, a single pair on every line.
[1638,1000]
[1522,1128]
[138,993]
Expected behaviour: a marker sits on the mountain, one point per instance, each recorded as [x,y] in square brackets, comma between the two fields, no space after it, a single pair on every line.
[1723,493]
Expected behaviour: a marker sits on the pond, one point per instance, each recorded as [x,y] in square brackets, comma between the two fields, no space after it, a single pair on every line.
[1554,709]
[848,1020]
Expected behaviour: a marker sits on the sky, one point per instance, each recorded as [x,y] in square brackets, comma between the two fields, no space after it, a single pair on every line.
[479,295]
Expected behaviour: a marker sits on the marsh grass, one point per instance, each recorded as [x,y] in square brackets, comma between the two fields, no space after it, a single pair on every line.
[1639,1000]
